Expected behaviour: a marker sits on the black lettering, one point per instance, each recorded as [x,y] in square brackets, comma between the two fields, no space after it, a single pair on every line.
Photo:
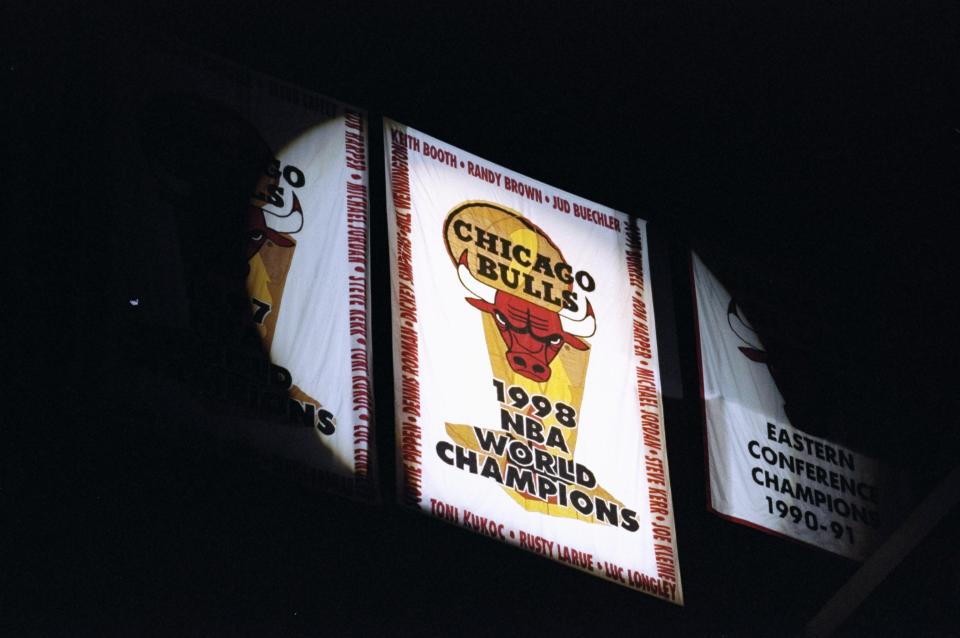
[457,225]
[486,267]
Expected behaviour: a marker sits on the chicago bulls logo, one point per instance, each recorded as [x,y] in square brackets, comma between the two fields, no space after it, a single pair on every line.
[263,225]
[523,283]
[274,213]
[745,333]
[533,335]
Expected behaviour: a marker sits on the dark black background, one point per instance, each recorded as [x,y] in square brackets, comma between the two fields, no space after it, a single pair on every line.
[808,151]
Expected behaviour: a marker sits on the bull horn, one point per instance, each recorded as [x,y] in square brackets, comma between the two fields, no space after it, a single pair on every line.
[580,327]
[471,283]
[290,223]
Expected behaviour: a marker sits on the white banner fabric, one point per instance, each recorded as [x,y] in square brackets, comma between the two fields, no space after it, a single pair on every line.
[763,472]
[527,383]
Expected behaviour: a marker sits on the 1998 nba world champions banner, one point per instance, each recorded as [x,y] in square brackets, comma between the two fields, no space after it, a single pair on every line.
[527,381]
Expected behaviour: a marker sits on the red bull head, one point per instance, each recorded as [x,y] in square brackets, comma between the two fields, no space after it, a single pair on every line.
[533,335]
[263,224]
[745,332]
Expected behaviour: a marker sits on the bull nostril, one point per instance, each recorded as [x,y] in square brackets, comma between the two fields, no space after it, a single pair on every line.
[520,361]
[538,368]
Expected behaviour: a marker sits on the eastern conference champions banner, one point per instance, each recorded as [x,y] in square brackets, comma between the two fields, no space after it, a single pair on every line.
[527,382]
[763,472]
[253,195]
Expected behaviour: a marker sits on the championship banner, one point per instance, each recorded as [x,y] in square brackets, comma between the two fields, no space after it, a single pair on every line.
[763,472]
[527,381]
[243,209]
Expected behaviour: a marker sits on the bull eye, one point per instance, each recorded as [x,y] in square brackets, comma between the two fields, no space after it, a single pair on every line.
[500,318]
[554,340]
[256,235]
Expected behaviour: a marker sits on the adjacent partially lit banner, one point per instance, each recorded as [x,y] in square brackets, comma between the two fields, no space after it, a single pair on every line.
[762,471]
[527,381]
[243,207]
